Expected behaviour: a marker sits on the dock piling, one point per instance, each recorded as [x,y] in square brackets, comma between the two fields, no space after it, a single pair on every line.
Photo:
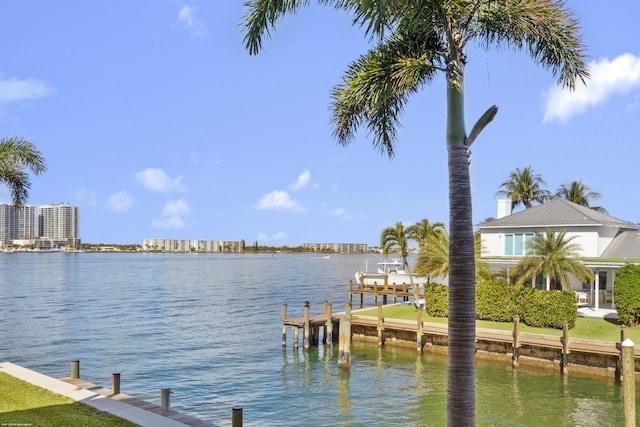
[284,327]
[628,383]
[516,341]
[564,363]
[344,342]
[75,369]
[380,321]
[328,335]
[306,337]
[115,383]
[165,398]
[236,416]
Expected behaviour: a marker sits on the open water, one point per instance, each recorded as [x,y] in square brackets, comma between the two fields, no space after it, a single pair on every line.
[208,326]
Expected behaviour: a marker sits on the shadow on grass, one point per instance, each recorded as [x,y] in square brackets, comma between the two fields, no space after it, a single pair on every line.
[71,414]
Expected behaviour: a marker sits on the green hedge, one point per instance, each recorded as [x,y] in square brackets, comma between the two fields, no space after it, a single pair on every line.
[499,302]
[626,288]
[436,300]
[549,309]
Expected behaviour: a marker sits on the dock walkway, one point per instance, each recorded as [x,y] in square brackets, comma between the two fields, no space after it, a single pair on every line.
[135,410]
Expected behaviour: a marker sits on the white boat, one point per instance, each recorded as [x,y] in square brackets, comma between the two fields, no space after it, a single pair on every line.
[396,272]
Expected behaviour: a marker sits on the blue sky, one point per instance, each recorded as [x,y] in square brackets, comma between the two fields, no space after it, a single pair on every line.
[157,123]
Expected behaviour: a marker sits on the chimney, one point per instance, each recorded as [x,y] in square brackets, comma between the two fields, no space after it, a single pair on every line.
[504,208]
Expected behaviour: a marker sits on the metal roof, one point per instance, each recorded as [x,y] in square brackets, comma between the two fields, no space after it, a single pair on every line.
[625,245]
[558,213]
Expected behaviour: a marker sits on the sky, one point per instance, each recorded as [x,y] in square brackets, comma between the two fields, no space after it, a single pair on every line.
[157,123]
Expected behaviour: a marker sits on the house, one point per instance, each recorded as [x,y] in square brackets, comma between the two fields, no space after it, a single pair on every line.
[606,243]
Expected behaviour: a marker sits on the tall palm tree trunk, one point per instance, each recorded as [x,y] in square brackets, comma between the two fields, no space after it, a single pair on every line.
[461,395]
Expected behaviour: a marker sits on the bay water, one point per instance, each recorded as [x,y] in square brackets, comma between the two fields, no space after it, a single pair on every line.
[208,326]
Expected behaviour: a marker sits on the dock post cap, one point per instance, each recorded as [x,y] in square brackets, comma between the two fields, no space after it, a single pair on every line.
[627,343]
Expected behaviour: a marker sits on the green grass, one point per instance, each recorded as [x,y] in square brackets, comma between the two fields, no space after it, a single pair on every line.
[587,328]
[22,403]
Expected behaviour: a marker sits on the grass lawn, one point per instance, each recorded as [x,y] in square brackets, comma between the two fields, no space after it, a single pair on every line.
[22,403]
[588,328]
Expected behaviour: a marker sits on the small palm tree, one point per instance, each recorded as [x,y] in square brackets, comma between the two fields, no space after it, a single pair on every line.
[16,155]
[524,186]
[433,258]
[421,230]
[579,193]
[553,257]
[396,239]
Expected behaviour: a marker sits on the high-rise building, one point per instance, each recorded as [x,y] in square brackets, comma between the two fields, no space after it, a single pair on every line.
[58,222]
[42,227]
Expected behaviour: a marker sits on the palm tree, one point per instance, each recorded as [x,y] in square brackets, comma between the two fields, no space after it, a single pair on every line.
[16,154]
[421,230]
[396,239]
[524,186]
[433,258]
[579,193]
[553,257]
[416,40]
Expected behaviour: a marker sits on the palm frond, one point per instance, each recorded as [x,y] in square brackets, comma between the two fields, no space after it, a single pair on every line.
[546,28]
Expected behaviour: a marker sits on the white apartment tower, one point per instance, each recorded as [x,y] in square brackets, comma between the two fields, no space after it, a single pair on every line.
[17,223]
[58,222]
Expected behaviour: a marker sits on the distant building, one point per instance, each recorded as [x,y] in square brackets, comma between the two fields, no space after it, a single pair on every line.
[42,227]
[185,245]
[341,248]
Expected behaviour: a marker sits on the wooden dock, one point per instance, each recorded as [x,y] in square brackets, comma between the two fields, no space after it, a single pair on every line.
[133,401]
[388,292]
[561,351]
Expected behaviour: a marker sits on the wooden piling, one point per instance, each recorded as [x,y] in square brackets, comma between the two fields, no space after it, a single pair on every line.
[380,320]
[328,336]
[115,383]
[344,342]
[284,326]
[623,337]
[165,398]
[236,416]
[296,338]
[305,338]
[75,369]
[628,383]
[564,363]
[351,291]
[516,341]
[419,330]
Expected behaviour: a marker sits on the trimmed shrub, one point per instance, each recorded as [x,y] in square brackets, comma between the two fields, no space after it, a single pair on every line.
[436,300]
[499,302]
[549,309]
[626,288]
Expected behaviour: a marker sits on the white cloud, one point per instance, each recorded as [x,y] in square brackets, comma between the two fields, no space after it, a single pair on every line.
[280,235]
[187,17]
[169,222]
[279,200]
[618,76]
[120,201]
[176,207]
[172,215]
[155,179]
[86,198]
[342,213]
[12,90]
[302,181]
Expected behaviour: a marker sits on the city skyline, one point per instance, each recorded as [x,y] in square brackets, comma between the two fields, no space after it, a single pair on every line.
[168,128]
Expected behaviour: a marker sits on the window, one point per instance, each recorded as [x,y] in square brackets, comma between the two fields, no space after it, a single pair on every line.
[517,244]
